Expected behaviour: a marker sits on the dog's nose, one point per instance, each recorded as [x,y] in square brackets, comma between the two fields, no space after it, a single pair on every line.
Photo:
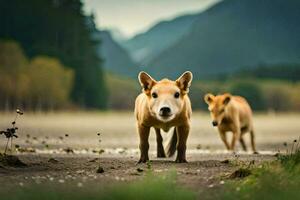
[165,111]
[215,123]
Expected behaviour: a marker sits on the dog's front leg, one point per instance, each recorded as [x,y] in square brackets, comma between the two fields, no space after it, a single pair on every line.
[144,144]
[224,139]
[236,130]
[182,135]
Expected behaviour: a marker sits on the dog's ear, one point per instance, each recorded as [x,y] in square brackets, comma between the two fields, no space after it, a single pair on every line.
[146,81]
[208,98]
[227,98]
[184,81]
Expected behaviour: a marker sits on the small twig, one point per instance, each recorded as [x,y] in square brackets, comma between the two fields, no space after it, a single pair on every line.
[6,146]
[11,145]
[292,150]
[297,146]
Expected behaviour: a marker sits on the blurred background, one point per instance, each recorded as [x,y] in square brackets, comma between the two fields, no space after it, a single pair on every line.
[76,55]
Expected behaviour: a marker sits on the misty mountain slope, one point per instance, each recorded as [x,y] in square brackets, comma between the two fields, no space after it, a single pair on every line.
[143,47]
[234,34]
[116,58]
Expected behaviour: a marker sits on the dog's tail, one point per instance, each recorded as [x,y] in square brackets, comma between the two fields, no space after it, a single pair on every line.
[171,146]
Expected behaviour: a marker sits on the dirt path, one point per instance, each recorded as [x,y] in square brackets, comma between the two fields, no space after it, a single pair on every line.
[203,170]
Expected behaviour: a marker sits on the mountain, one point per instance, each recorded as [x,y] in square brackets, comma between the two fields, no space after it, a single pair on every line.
[116,58]
[117,35]
[234,35]
[143,47]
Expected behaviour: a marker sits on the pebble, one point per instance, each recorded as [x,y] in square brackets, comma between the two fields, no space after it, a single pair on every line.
[61,180]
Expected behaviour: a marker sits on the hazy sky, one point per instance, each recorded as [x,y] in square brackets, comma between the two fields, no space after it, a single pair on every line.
[133,16]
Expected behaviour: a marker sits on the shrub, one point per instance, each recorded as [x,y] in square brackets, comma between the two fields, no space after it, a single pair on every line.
[249,90]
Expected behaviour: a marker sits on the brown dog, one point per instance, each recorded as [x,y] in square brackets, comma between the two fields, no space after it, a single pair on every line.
[164,104]
[231,113]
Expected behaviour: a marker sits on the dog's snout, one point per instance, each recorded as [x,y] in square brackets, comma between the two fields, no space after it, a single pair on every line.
[165,111]
[215,123]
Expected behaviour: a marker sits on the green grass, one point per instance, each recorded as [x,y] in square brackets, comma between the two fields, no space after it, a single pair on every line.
[151,187]
[276,180]
[292,159]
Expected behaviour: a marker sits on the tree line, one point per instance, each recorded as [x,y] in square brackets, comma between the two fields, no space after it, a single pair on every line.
[41,83]
[57,29]
[262,94]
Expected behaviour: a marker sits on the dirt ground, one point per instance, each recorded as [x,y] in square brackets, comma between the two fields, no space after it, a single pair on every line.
[201,172]
[64,147]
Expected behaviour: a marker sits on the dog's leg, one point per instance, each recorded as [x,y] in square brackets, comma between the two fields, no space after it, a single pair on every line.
[160,147]
[242,141]
[144,144]
[224,139]
[236,130]
[253,142]
[236,136]
[182,135]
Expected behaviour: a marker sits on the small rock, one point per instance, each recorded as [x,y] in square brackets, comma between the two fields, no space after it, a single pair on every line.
[11,161]
[240,173]
[61,180]
[100,170]
[69,150]
[139,170]
[53,161]
[93,160]
[225,161]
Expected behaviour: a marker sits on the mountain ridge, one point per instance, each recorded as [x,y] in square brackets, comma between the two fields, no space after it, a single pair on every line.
[144,46]
[233,35]
[116,59]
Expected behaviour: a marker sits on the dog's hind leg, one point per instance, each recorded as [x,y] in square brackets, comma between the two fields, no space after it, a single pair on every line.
[160,147]
[253,142]
[242,141]
[172,143]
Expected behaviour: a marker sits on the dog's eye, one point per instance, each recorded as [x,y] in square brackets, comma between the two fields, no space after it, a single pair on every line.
[221,111]
[176,95]
[154,95]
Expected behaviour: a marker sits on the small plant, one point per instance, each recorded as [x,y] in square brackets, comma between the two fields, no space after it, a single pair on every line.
[100,151]
[68,149]
[292,158]
[149,165]
[10,133]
